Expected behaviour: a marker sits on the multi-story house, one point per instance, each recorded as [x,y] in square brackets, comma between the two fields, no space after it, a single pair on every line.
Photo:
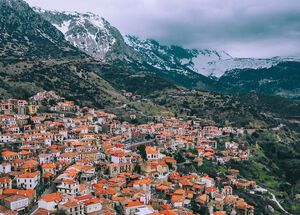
[28,180]
[69,187]
[16,202]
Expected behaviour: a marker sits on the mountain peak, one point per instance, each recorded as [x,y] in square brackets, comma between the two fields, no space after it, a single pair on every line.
[91,33]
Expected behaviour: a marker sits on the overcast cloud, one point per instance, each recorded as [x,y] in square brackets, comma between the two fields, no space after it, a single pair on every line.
[243,28]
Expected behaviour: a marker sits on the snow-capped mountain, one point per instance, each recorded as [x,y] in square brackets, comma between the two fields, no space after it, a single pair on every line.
[220,67]
[163,57]
[175,57]
[90,33]
[96,37]
[203,61]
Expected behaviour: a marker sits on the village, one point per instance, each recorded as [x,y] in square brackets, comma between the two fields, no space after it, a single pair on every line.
[60,158]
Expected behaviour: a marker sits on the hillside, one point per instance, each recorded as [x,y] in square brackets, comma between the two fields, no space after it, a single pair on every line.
[35,57]
[272,130]
[245,110]
[24,34]
[282,79]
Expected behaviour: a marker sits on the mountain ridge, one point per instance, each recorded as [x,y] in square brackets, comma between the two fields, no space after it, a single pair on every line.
[208,62]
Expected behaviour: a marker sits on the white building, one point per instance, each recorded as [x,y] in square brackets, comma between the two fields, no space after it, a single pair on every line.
[93,206]
[152,153]
[69,187]
[208,181]
[50,201]
[5,138]
[16,203]
[146,210]
[120,158]
[132,207]
[28,180]
[72,207]
[45,158]
[5,168]
[69,157]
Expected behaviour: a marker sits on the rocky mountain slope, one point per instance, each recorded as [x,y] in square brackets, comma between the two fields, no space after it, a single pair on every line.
[172,57]
[91,34]
[188,67]
[24,34]
[96,37]
[211,63]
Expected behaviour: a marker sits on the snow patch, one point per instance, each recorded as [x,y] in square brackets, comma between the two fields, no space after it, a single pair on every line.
[218,67]
[63,27]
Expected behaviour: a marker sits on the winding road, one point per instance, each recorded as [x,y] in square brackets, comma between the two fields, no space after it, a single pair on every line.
[261,189]
[276,201]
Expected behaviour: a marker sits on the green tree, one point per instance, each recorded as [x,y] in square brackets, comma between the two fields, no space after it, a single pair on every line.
[142,151]
[179,158]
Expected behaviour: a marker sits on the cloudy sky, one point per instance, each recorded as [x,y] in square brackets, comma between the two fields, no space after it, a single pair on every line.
[243,28]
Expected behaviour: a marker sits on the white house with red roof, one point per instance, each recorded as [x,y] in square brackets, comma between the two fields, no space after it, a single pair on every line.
[208,181]
[5,182]
[70,187]
[28,180]
[50,201]
[152,153]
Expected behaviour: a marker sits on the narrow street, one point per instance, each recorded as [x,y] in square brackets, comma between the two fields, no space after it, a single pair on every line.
[132,145]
